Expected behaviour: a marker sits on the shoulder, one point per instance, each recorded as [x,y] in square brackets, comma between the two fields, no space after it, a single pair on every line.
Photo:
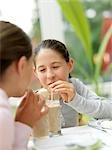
[5,114]
[76,81]
[79,85]
[6,126]
[5,110]
[6,122]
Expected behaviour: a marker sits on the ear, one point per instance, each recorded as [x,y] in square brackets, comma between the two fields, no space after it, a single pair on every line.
[71,64]
[21,65]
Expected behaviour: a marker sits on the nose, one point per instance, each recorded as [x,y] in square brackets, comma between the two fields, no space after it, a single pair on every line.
[50,74]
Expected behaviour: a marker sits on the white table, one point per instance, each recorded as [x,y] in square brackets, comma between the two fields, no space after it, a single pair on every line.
[83,135]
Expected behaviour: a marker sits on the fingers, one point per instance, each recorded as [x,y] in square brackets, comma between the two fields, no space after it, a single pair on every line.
[44,110]
[37,100]
[55,84]
[24,100]
[64,97]
[40,102]
[59,84]
[66,89]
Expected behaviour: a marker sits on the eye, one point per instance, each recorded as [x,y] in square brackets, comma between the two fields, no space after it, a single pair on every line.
[55,67]
[42,70]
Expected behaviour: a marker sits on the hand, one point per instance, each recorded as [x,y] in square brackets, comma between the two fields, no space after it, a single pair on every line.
[64,88]
[31,109]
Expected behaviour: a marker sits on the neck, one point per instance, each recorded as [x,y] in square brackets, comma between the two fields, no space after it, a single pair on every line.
[6,88]
[8,82]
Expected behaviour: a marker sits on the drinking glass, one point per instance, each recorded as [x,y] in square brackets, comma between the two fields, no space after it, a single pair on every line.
[41,128]
[54,115]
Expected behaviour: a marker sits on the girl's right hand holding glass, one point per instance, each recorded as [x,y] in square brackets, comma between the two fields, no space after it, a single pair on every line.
[31,109]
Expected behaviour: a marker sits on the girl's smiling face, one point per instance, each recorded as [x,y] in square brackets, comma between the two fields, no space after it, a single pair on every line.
[51,66]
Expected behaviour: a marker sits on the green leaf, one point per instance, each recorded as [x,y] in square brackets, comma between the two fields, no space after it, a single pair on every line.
[95,146]
[74,13]
[83,71]
[101,52]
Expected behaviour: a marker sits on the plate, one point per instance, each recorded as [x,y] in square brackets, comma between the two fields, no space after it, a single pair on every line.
[104,124]
[107,124]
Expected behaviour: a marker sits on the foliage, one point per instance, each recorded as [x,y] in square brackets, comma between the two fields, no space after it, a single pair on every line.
[36,30]
[95,146]
[74,12]
[35,33]
[99,7]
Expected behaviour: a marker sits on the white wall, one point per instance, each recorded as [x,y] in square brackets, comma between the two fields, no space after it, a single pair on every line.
[50,20]
[18,12]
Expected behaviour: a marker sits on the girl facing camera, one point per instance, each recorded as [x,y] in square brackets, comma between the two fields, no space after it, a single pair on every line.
[53,67]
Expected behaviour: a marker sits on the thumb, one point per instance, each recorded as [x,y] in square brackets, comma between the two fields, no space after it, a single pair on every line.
[44,110]
[64,97]
[24,100]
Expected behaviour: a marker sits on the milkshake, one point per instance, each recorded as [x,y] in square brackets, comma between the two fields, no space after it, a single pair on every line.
[41,128]
[54,117]
[49,124]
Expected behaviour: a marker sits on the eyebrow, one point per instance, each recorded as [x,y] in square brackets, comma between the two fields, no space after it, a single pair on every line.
[53,63]
[39,67]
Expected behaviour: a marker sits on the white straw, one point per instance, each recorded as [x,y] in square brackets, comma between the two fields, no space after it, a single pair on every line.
[52,96]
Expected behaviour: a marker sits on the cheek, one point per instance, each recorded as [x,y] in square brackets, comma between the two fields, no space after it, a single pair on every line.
[63,74]
[30,73]
[41,78]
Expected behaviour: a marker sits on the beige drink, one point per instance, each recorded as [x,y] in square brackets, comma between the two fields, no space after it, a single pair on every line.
[41,128]
[50,123]
[54,117]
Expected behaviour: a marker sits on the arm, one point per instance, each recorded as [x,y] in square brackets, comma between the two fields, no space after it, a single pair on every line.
[13,136]
[87,102]
[6,128]
[22,134]
[80,98]
[30,110]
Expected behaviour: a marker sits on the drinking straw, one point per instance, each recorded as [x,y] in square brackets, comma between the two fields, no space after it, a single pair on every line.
[52,96]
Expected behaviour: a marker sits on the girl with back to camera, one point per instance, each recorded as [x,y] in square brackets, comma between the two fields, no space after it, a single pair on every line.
[16,63]
[53,67]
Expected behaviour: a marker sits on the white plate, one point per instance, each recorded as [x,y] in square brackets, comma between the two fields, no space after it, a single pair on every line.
[104,124]
[65,142]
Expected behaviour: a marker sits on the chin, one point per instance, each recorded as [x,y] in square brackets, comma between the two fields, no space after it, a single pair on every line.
[19,94]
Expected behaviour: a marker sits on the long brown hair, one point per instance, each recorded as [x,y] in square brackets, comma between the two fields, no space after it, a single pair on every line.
[14,43]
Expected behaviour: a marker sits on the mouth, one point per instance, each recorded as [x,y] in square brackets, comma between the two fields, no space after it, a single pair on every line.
[50,83]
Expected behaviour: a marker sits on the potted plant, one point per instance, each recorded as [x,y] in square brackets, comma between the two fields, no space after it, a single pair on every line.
[74,12]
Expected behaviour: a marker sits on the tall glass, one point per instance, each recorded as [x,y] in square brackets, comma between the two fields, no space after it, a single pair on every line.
[54,116]
[41,128]
[50,124]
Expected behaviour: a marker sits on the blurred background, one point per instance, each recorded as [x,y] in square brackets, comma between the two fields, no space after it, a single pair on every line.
[83,25]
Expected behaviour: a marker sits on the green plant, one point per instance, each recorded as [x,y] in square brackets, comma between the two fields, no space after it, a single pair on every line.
[95,146]
[74,12]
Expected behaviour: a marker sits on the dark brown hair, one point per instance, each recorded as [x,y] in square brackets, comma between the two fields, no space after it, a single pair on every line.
[14,43]
[56,46]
